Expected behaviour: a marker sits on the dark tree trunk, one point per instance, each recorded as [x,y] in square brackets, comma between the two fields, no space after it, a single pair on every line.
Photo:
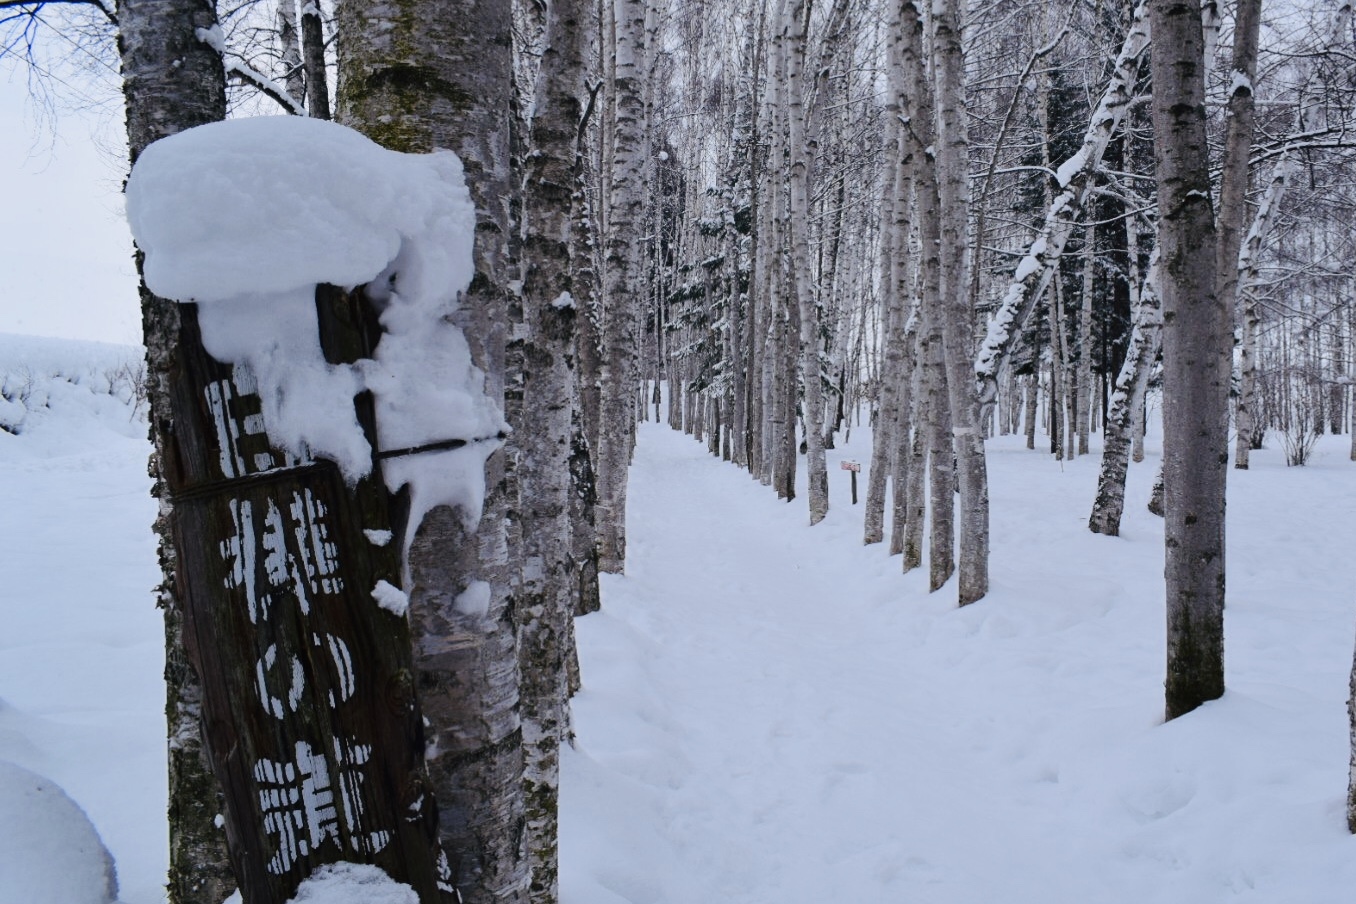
[309,701]
[1196,363]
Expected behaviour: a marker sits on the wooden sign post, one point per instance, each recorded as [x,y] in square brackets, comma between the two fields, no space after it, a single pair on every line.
[855,467]
[309,710]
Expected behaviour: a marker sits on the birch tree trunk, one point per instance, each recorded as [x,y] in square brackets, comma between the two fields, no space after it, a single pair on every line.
[1351,780]
[796,24]
[313,59]
[957,316]
[587,392]
[892,441]
[289,40]
[1031,407]
[933,406]
[623,284]
[542,437]
[1233,210]
[1126,400]
[1083,384]
[883,437]
[1196,363]
[906,535]
[418,75]
[171,82]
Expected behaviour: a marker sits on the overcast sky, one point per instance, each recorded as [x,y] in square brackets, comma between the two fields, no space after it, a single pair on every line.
[65,252]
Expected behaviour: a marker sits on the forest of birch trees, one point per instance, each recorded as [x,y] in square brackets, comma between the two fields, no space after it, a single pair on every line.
[769,224]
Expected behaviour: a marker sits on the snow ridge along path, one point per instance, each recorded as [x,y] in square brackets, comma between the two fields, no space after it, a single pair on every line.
[771,713]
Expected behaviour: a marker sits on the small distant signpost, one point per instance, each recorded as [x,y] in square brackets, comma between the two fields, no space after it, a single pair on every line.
[855,467]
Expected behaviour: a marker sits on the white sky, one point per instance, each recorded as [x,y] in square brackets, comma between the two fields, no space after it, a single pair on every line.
[65,252]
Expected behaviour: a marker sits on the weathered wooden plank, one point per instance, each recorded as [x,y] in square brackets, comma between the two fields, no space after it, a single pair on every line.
[309,701]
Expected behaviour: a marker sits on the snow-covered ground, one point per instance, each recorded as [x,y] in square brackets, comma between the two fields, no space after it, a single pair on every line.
[771,713]
[81,642]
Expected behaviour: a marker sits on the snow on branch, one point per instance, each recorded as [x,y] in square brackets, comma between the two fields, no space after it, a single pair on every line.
[1074,177]
[214,37]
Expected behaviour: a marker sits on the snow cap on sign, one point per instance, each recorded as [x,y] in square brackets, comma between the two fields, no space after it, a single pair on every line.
[250,207]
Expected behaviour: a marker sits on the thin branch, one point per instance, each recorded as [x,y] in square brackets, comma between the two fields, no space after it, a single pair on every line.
[32,6]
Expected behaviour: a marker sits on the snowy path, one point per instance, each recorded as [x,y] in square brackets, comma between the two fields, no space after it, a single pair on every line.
[772,714]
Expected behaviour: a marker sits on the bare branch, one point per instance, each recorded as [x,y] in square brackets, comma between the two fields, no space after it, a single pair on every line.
[32,6]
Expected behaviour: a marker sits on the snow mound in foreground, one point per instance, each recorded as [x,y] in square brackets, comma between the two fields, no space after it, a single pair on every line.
[50,853]
[353,883]
[348,883]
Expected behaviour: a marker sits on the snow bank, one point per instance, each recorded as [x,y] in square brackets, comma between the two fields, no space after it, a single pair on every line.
[348,883]
[50,853]
[38,375]
[353,883]
[81,642]
[248,216]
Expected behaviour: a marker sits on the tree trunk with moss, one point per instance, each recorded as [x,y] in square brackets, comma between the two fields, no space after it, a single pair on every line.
[417,75]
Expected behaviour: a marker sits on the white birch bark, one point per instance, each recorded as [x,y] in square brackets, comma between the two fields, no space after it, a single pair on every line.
[1031,402]
[933,407]
[542,436]
[623,282]
[892,445]
[289,56]
[1075,178]
[1126,401]
[957,315]
[1083,396]
[883,441]
[910,493]
[1351,732]
[449,86]
[795,23]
